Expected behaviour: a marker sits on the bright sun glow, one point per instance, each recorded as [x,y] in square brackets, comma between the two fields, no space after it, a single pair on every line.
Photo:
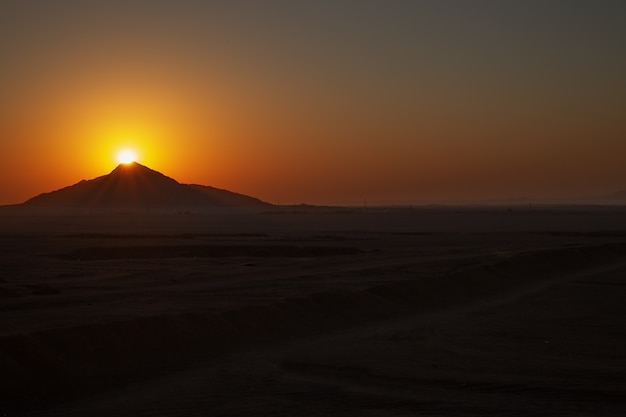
[126,156]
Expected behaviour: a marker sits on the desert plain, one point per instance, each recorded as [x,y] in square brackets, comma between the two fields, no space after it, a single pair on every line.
[309,311]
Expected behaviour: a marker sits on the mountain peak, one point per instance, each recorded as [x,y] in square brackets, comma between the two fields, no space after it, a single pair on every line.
[136,170]
[129,165]
[135,186]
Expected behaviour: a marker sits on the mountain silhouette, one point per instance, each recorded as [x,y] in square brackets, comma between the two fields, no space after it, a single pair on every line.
[618,196]
[137,186]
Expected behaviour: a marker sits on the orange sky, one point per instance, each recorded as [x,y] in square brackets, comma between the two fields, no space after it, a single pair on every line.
[318,103]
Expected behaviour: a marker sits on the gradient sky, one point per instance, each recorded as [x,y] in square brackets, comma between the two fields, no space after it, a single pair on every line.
[318,101]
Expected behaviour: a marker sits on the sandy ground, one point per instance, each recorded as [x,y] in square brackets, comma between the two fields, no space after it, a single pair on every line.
[433,312]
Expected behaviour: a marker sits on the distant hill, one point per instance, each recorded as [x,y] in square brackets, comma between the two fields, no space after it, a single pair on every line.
[619,196]
[137,186]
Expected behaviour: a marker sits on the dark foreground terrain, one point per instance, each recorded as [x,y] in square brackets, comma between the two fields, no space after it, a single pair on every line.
[311,312]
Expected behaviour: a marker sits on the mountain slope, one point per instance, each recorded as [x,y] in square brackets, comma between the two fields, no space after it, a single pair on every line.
[137,186]
[225,197]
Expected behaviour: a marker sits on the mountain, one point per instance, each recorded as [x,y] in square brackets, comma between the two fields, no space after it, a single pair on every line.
[619,196]
[137,186]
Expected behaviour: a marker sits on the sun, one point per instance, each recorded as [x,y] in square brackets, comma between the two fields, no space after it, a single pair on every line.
[126,156]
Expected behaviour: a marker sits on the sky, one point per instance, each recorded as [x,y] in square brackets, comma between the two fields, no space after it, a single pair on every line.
[320,102]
